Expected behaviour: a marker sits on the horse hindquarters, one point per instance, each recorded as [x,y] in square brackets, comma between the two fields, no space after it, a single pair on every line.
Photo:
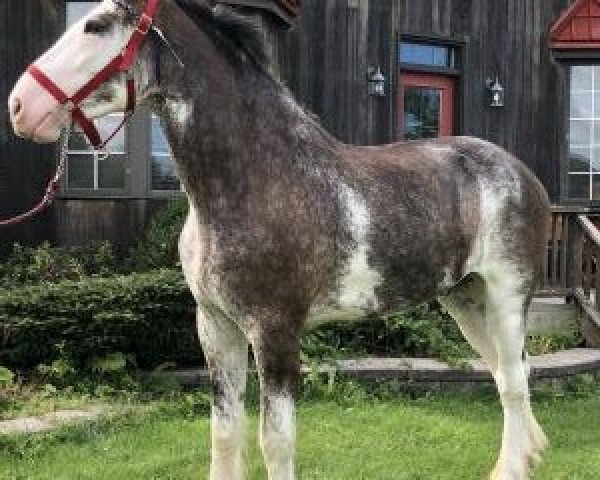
[490,305]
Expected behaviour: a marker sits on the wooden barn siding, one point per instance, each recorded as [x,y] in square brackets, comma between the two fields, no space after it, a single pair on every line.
[336,41]
[79,222]
[26,29]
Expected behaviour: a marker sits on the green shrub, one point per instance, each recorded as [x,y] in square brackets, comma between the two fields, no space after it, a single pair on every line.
[157,247]
[423,330]
[7,377]
[45,263]
[74,326]
[150,317]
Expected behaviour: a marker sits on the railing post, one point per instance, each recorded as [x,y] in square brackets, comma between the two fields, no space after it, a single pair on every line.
[563,251]
[575,253]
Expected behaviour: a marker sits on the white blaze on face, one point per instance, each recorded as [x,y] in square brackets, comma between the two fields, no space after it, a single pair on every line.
[70,64]
[359,280]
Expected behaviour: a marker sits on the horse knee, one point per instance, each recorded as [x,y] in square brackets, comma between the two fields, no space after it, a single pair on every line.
[227,431]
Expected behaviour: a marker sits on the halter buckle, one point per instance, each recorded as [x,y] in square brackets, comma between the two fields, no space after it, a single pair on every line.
[70,105]
[145,24]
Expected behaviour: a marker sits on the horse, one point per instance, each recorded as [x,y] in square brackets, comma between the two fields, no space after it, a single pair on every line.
[288,226]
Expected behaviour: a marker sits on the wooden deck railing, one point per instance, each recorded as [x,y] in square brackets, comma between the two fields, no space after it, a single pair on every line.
[572,265]
[571,253]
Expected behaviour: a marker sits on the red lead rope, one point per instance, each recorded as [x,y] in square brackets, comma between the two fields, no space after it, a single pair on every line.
[121,63]
[51,189]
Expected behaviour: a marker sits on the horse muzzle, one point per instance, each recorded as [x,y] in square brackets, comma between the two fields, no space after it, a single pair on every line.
[34,113]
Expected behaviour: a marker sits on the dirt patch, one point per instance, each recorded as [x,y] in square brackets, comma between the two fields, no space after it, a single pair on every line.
[48,421]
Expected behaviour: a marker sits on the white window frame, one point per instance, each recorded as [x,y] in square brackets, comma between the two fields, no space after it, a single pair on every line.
[594,143]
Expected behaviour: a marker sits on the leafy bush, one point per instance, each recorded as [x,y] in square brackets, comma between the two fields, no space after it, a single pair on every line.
[74,326]
[44,263]
[157,248]
[540,344]
[418,331]
[150,317]
[7,377]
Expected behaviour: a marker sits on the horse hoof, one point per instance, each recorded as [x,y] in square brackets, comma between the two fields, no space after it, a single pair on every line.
[502,472]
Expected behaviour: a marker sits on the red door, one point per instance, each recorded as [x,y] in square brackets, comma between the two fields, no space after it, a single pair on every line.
[426,105]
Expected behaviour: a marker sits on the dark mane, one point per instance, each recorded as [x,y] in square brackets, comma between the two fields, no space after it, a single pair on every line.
[241,36]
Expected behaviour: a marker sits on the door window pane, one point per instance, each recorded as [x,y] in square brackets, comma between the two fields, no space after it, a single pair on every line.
[421,112]
[427,54]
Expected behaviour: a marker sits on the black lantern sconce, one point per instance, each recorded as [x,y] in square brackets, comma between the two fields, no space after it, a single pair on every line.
[495,92]
[376,82]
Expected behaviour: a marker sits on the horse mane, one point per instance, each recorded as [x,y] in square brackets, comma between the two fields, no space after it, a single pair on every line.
[241,36]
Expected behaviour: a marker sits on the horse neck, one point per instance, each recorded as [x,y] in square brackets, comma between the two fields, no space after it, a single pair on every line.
[239,132]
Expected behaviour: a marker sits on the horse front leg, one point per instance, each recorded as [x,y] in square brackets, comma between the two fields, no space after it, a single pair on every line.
[226,351]
[277,356]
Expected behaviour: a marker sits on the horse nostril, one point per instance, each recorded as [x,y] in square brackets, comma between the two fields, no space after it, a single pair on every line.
[16,107]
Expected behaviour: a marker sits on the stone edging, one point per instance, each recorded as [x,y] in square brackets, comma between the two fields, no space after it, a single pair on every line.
[418,370]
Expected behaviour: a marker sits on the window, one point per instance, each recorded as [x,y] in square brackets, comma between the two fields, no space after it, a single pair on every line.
[427,54]
[583,169]
[163,173]
[93,170]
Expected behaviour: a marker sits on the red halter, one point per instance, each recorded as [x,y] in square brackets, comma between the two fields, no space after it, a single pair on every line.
[121,63]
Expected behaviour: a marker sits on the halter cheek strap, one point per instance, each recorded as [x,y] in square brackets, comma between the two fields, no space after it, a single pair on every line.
[121,63]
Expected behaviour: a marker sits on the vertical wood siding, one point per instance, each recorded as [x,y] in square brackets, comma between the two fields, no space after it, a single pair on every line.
[26,30]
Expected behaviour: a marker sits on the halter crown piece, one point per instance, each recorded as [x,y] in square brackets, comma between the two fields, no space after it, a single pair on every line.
[121,63]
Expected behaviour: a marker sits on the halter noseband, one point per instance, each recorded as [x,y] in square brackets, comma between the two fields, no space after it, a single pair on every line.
[121,63]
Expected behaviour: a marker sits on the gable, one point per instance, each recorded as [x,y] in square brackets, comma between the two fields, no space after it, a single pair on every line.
[578,27]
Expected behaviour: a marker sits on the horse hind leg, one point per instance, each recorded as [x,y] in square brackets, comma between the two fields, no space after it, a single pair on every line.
[507,299]
[494,326]
[465,303]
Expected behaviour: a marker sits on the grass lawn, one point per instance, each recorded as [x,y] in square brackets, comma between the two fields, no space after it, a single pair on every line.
[439,436]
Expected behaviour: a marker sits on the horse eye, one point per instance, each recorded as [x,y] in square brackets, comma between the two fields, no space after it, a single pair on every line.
[96,27]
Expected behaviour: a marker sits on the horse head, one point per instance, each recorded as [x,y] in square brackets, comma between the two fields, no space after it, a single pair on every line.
[85,73]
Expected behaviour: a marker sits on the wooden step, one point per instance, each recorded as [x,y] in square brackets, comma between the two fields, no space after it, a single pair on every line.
[552,314]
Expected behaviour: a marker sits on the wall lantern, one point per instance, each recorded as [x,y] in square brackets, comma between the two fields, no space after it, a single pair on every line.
[376,82]
[496,92]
